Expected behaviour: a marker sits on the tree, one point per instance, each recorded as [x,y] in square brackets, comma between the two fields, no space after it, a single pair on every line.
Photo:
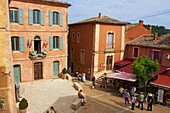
[143,68]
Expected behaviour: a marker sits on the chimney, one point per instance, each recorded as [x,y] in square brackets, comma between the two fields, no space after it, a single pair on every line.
[141,22]
[156,36]
[100,15]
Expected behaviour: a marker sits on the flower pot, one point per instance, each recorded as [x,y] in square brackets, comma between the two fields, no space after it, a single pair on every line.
[23,111]
[64,76]
[2,106]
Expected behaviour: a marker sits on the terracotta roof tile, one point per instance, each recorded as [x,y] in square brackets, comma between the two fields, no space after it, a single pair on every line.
[148,41]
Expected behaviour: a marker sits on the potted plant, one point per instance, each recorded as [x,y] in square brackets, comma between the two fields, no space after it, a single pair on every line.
[2,103]
[23,104]
[64,72]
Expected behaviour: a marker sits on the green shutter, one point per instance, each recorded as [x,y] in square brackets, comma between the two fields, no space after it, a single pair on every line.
[61,42]
[50,18]
[30,16]
[55,68]
[51,43]
[16,73]
[42,17]
[22,48]
[21,16]
[61,19]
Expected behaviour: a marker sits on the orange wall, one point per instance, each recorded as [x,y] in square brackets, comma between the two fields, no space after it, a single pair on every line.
[136,32]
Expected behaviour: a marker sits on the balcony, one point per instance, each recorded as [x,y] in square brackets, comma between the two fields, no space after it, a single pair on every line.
[34,55]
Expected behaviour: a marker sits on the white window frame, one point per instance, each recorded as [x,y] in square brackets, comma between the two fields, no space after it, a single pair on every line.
[134,51]
[113,40]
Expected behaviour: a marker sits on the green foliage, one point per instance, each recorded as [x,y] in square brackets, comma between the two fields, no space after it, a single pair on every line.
[64,71]
[23,104]
[160,29]
[143,68]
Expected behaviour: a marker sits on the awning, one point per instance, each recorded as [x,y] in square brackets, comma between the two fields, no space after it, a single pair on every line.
[162,81]
[122,76]
[123,62]
[128,69]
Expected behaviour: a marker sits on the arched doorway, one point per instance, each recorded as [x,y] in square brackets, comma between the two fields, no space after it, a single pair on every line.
[38,71]
[37,44]
[109,62]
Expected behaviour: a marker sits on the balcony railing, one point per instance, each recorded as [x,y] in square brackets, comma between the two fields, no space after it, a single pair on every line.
[34,55]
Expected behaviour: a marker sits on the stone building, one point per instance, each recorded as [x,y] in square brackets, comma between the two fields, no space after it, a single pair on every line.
[95,44]
[38,38]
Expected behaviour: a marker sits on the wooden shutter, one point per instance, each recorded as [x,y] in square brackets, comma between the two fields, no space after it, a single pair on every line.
[30,16]
[22,48]
[42,17]
[61,42]
[50,18]
[51,43]
[56,68]
[21,16]
[61,19]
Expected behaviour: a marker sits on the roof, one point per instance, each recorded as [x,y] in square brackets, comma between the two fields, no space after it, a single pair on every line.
[102,19]
[128,69]
[163,81]
[122,76]
[123,62]
[129,26]
[163,42]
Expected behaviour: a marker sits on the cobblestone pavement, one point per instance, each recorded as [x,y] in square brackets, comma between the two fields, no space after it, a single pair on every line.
[45,93]
[99,100]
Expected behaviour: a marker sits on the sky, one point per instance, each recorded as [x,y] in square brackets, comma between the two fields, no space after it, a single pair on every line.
[153,12]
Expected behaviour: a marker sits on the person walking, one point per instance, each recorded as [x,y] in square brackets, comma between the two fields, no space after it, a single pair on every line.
[133,102]
[53,110]
[93,82]
[127,97]
[141,99]
[150,101]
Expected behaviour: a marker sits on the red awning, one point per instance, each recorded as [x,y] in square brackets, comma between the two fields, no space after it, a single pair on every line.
[128,69]
[162,81]
[122,76]
[124,62]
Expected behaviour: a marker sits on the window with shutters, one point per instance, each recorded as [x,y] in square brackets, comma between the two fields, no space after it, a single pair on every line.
[55,18]
[82,57]
[135,52]
[13,15]
[36,17]
[55,42]
[78,37]
[155,55]
[15,43]
[110,40]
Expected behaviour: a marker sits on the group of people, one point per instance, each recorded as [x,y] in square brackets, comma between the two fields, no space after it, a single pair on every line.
[81,77]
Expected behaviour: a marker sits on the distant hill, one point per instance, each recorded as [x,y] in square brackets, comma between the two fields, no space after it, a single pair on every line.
[160,29]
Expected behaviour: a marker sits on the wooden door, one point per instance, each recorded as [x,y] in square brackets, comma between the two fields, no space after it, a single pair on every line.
[109,63]
[38,71]
[17,73]
[56,69]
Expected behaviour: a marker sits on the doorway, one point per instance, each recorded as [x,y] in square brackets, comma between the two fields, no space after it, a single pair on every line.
[109,63]
[37,44]
[17,73]
[55,69]
[38,71]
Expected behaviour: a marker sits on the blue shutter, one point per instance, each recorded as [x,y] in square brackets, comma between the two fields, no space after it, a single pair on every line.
[22,48]
[56,69]
[42,17]
[51,43]
[61,42]
[17,73]
[21,16]
[61,19]
[50,18]
[30,16]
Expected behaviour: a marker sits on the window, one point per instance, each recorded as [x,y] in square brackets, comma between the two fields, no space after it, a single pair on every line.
[78,37]
[135,52]
[71,53]
[73,38]
[36,17]
[110,40]
[14,15]
[82,59]
[15,43]
[156,55]
[55,42]
[55,18]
